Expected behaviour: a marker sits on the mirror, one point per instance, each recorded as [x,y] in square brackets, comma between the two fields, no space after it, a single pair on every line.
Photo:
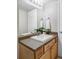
[32,17]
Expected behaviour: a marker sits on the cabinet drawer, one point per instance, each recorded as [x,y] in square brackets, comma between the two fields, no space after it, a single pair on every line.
[39,53]
[49,45]
[52,42]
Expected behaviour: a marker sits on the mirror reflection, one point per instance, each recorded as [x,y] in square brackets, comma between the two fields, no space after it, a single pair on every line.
[37,16]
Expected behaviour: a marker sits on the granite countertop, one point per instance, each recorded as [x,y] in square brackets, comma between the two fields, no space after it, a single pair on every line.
[34,44]
[26,34]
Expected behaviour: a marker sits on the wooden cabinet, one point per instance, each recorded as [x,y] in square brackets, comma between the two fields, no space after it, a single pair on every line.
[46,55]
[39,53]
[25,53]
[49,45]
[47,51]
[54,51]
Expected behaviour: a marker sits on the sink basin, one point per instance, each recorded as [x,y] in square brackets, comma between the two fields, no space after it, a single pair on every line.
[42,37]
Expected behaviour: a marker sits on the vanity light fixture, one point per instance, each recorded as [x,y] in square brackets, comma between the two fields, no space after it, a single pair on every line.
[37,2]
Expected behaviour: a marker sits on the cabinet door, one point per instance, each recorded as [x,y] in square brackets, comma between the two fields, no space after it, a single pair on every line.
[21,52]
[46,55]
[25,53]
[49,45]
[39,53]
[54,51]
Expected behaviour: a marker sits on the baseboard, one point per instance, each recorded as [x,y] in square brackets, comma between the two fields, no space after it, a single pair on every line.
[60,57]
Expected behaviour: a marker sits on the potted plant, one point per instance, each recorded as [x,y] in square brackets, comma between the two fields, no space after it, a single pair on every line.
[41,30]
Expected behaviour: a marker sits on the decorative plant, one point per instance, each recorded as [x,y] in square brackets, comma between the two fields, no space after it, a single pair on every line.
[42,29]
[48,31]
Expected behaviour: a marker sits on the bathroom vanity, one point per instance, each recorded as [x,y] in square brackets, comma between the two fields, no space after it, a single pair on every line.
[31,48]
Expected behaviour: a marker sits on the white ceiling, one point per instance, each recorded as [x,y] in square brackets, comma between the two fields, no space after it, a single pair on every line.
[47,1]
[22,4]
